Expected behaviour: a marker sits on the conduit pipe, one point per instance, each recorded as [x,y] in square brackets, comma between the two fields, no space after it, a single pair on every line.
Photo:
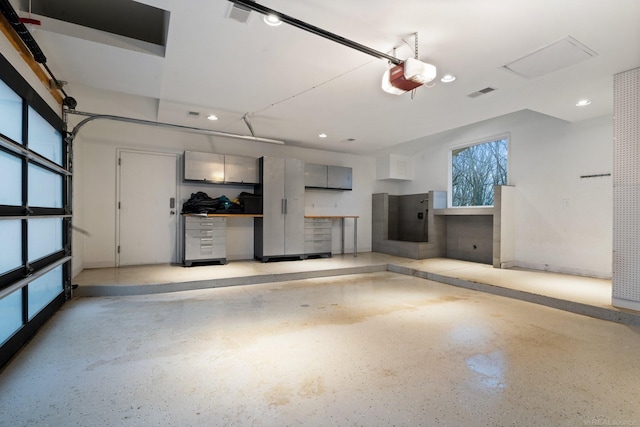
[91,117]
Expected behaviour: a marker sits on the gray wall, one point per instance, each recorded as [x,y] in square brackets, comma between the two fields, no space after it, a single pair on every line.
[404,223]
[470,238]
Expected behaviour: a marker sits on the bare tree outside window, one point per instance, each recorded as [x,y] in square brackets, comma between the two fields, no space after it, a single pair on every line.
[475,170]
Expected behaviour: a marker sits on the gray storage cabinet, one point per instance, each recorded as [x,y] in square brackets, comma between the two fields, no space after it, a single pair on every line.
[315,176]
[339,177]
[280,232]
[203,167]
[317,237]
[205,240]
[328,177]
[220,168]
[240,170]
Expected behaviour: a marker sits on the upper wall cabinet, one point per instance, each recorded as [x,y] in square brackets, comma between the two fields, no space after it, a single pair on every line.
[315,176]
[220,168]
[394,167]
[241,170]
[329,177]
[204,167]
[340,177]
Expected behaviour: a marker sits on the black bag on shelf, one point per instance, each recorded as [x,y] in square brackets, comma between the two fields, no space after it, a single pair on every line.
[201,203]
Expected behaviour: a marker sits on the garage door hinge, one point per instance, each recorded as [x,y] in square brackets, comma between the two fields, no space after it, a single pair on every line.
[119,161]
[118,249]
[118,205]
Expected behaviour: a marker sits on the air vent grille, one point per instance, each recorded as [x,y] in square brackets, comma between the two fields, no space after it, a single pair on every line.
[481,92]
[193,114]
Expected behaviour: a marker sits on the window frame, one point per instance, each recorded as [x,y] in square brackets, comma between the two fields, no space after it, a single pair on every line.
[17,280]
[468,144]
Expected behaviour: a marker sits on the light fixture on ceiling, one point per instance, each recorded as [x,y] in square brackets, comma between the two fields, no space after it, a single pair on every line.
[272,19]
[322,135]
[583,103]
[407,76]
[212,117]
[447,78]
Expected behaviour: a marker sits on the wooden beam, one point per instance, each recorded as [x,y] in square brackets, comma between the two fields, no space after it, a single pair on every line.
[26,55]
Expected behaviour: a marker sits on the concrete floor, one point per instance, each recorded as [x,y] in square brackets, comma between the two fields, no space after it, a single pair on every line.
[582,295]
[369,349]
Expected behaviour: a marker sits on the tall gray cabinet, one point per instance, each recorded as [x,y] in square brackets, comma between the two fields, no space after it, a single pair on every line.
[280,232]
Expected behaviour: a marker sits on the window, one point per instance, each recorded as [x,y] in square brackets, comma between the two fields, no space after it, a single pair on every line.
[11,113]
[35,218]
[475,169]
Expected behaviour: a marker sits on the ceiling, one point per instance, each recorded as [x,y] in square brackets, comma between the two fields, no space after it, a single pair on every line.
[293,85]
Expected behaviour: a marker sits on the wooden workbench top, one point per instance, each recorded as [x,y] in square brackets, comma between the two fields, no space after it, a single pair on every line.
[331,216]
[227,215]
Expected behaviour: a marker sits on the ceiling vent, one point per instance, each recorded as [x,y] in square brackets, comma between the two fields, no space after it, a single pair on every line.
[481,92]
[193,114]
[239,13]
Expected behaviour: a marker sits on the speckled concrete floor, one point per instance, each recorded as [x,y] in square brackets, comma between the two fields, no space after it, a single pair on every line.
[372,349]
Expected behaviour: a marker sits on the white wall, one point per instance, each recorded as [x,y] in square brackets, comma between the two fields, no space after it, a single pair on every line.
[563,223]
[96,146]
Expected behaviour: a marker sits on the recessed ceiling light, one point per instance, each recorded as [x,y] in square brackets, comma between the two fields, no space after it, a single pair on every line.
[212,117]
[447,78]
[272,20]
[323,135]
[583,103]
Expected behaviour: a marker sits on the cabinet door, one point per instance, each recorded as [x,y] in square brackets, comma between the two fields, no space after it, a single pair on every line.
[241,170]
[273,176]
[339,177]
[294,218]
[203,166]
[315,176]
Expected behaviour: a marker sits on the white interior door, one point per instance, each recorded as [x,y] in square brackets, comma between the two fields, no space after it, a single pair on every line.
[147,208]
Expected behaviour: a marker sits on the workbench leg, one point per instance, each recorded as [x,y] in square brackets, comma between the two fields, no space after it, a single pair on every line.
[355,237]
[342,235]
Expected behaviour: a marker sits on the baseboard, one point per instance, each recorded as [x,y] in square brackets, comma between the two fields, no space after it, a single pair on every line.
[625,303]
[562,270]
[98,265]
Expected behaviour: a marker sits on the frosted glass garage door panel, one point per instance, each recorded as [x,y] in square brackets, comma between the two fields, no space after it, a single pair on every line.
[44,237]
[11,178]
[45,188]
[10,315]
[43,290]
[44,139]
[11,113]
[11,247]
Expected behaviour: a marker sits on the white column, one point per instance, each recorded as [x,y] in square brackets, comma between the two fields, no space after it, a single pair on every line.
[626,190]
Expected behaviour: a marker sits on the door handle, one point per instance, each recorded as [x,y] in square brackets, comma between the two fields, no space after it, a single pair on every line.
[172,212]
